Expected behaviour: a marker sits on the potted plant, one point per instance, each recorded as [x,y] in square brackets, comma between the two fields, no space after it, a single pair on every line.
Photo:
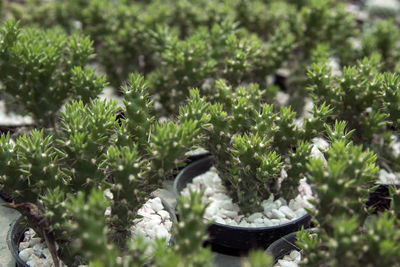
[45,173]
[252,146]
[368,100]
[345,234]
[41,69]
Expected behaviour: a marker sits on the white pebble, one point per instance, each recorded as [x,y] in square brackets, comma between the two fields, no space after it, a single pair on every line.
[163,214]
[267,222]
[276,214]
[218,219]
[254,216]
[34,261]
[23,245]
[34,241]
[156,204]
[285,263]
[275,221]
[161,232]
[300,212]
[26,254]
[284,220]
[295,255]
[288,212]
[229,213]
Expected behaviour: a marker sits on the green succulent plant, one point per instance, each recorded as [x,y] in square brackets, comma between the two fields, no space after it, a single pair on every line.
[41,69]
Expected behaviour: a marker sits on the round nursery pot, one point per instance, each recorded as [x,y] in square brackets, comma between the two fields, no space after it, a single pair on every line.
[18,228]
[236,240]
[379,200]
[14,237]
[283,246]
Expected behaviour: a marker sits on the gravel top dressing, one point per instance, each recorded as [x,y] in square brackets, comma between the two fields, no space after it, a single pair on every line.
[223,210]
[155,222]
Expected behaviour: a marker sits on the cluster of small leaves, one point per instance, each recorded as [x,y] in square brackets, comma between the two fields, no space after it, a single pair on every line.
[86,133]
[252,144]
[189,236]
[335,29]
[42,68]
[345,236]
[28,166]
[382,38]
[351,242]
[342,184]
[87,227]
[86,153]
[366,99]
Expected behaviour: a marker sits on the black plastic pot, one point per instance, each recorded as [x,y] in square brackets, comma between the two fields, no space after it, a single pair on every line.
[236,240]
[14,237]
[283,246]
[6,197]
[18,228]
[379,200]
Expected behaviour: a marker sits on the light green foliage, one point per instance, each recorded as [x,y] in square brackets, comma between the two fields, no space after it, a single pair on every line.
[168,145]
[342,185]
[344,235]
[366,99]
[355,96]
[351,244]
[261,17]
[138,108]
[252,144]
[296,169]
[42,68]
[255,168]
[189,236]
[391,97]
[395,200]
[127,44]
[314,123]
[382,38]
[87,227]
[222,52]
[128,186]
[334,27]
[258,258]
[87,131]
[187,250]
[28,167]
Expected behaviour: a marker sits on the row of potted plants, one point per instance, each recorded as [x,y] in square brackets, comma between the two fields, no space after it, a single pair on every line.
[263,154]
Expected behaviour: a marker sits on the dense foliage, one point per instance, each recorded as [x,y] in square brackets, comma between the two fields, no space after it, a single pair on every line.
[253,82]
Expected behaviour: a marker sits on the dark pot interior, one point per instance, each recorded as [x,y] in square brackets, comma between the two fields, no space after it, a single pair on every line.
[236,240]
[379,200]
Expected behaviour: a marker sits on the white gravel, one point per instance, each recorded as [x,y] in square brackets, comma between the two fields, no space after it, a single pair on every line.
[155,223]
[388,177]
[33,250]
[290,260]
[223,210]
[392,178]
[12,119]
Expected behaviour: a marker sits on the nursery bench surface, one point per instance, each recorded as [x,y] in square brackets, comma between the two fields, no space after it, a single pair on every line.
[6,217]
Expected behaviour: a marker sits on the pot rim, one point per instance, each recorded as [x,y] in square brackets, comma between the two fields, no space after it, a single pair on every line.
[15,250]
